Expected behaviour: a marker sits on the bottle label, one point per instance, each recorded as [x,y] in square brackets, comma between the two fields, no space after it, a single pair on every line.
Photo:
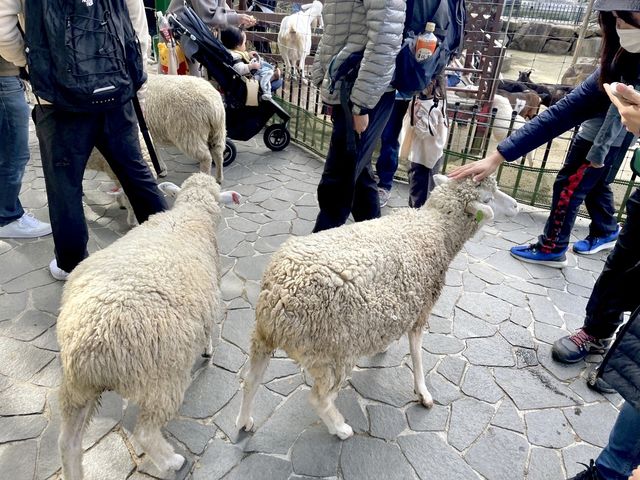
[423,54]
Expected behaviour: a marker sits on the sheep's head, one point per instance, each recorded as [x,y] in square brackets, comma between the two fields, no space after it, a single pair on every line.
[482,200]
[199,188]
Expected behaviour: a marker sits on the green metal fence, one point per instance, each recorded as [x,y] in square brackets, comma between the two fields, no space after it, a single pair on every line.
[531,185]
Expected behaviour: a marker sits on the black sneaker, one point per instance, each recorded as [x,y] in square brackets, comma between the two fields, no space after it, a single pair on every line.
[597,383]
[591,473]
[573,348]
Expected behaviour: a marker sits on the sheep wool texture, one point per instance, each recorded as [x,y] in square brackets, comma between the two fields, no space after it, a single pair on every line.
[333,296]
[135,314]
[187,112]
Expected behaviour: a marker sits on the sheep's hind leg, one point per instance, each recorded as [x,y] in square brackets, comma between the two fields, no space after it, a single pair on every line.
[415,345]
[322,397]
[70,440]
[257,365]
[156,409]
[158,448]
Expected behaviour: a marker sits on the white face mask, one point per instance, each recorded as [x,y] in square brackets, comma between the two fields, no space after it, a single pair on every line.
[629,39]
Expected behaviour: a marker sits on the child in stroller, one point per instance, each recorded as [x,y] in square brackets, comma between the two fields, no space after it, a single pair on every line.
[242,120]
[249,63]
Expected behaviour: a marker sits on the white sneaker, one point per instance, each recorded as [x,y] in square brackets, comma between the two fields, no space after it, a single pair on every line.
[383,195]
[266,96]
[27,226]
[57,272]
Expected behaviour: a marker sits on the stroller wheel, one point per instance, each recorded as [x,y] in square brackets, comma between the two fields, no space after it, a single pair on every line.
[277,137]
[230,152]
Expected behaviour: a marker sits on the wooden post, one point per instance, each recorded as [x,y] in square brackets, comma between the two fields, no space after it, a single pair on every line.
[583,32]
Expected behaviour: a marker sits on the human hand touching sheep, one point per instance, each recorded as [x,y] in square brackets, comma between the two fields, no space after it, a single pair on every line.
[478,170]
[627,101]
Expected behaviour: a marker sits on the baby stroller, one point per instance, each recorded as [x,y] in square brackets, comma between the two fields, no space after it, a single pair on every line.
[243,122]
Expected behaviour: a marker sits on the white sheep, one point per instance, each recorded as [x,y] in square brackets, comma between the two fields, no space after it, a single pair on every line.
[134,315]
[183,111]
[294,36]
[501,124]
[188,113]
[331,297]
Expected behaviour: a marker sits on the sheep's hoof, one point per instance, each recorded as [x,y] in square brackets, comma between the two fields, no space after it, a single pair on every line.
[163,173]
[426,400]
[247,424]
[176,462]
[206,355]
[344,431]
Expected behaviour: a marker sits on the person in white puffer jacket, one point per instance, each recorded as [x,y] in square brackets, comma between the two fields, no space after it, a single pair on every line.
[362,37]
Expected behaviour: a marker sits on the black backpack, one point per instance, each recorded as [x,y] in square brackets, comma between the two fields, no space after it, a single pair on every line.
[83,55]
[411,76]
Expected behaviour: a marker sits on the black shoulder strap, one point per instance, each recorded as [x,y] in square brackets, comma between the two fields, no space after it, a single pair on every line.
[145,134]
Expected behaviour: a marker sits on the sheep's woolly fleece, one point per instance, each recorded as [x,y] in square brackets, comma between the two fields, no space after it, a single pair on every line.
[187,112]
[134,314]
[350,291]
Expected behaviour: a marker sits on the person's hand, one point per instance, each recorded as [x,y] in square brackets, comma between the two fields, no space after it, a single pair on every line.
[246,20]
[360,123]
[635,475]
[478,170]
[627,101]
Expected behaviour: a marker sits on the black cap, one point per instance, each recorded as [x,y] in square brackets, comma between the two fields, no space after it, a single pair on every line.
[611,5]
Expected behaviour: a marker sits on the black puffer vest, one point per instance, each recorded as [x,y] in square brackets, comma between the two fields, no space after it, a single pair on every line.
[621,366]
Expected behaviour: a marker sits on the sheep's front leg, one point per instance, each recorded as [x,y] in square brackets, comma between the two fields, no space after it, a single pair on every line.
[415,345]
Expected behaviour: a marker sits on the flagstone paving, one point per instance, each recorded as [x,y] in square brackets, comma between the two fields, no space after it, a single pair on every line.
[504,409]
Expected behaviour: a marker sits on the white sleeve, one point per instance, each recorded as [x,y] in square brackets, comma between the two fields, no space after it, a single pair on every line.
[139,21]
[11,42]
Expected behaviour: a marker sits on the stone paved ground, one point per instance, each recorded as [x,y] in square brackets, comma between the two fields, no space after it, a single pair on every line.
[504,410]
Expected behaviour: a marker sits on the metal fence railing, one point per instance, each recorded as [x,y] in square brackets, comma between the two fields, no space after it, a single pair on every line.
[547,11]
[469,139]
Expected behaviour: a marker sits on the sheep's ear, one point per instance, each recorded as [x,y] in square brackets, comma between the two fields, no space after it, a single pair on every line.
[483,213]
[230,197]
[169,189]
[440,179]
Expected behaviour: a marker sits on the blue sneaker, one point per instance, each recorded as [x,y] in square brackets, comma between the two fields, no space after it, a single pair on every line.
[591,245]
[532,254]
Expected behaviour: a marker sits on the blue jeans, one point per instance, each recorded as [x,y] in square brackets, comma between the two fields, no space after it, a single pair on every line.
[387,163]
[14,147]
[347,185]
[575,183]
[622,453]
[66,140]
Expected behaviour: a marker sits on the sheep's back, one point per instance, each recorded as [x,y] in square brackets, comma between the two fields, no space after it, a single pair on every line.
[352,290]
[139,307]
[182,109]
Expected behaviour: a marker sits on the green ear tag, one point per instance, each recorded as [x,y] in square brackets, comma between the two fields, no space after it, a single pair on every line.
[479,216]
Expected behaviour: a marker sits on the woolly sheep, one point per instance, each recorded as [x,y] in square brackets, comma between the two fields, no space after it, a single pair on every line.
[331,297]
[134,315]
[188,113]
[183,111]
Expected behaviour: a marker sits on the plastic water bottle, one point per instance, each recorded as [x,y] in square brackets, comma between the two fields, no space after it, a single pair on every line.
[426,43]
